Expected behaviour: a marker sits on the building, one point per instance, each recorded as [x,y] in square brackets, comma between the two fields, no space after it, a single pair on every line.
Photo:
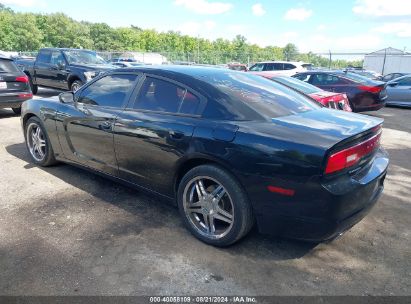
[387,61]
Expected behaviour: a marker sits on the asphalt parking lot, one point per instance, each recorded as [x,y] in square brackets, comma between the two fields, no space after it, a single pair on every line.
[64,231]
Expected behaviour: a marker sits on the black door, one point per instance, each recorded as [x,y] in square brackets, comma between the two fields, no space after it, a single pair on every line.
[88,128]
[57,71]
[155,132]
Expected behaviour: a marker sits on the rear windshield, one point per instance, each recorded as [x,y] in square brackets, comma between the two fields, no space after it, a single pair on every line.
[264,96]
[357,78]
[8,66]
[299,85]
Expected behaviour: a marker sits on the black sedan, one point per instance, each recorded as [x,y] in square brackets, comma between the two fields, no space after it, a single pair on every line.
[363,93]
[14,86]
[229,148]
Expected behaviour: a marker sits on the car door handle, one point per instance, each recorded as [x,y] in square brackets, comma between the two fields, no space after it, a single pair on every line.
[176,135]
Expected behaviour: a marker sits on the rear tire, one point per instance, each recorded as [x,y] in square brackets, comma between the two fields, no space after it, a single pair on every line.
[17,111]
[214,206]
[38,143]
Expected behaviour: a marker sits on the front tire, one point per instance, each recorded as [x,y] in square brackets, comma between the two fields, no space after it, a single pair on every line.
[77,84]
[38,143]
[214,206]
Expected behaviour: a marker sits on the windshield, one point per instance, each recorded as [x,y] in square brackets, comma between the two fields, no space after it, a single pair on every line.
[266,97]
[298,85]
[83,57]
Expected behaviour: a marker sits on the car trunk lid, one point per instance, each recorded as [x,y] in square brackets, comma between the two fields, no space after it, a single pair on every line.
[11,82]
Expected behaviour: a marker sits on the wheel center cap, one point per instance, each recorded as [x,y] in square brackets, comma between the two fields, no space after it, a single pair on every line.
[208,207]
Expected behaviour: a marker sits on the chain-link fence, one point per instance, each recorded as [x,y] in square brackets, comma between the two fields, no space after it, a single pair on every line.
[325,60]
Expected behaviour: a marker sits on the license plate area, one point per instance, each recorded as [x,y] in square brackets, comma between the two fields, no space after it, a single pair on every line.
[3,85]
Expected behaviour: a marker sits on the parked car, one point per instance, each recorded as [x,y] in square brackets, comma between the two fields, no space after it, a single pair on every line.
[237,67]
[229,148]
[330,100]
[363,93]
[64,69]
[399,91]
[14,86]
[280,67]
[392,76]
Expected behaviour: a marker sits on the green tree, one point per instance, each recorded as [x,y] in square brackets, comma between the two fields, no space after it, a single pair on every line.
[290,52]
[27,36]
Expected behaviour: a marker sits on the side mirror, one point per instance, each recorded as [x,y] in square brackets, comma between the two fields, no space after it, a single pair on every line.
[66,97]
[393,84]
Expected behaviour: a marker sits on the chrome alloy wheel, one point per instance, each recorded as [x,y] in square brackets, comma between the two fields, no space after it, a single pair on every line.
[75,87]
[209,207]
[36,142]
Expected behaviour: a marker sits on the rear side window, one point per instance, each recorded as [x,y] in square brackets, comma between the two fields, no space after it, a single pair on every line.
[109,91]
[264,96]
[44,57]
[274,67]
[289,66]
[162,96]
[8,66]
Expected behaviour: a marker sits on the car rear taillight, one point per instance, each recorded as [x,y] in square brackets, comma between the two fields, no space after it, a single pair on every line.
[25,95]
[373,90]
[351,156]
[22,79]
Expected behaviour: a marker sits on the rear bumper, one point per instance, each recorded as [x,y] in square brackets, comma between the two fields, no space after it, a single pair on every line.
[323,213]
[375,107]
[363,104]
[14,100]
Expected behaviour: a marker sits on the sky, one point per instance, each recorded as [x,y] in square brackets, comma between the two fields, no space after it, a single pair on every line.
[313,25]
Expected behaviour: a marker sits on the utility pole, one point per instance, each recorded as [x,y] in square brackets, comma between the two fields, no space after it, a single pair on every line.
[383,64]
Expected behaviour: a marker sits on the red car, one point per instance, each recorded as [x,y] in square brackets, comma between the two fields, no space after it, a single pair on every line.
[331,100]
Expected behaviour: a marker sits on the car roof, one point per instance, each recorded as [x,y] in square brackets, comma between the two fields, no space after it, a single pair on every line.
[191,76]
[279,61]
[195,71]
[65,49]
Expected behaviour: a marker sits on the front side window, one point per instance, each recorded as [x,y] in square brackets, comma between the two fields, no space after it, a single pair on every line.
[303,77]
[109,91]
[325,79]
[57,58]
[405,82]
[162,96]
[257,67]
